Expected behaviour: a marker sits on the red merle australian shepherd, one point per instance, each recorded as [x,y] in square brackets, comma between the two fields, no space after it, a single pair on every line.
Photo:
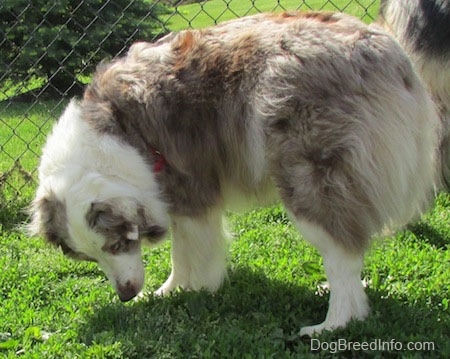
[316,110]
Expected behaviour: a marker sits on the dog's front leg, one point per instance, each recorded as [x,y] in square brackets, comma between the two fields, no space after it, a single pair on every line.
[199,251]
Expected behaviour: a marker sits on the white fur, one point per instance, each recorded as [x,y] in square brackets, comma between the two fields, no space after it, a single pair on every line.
[343,269]
[100,168]
[120,269]
[93,156]
[199,248]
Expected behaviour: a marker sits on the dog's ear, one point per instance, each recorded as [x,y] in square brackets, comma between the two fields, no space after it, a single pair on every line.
[106,218]
[48,218]
[112,219]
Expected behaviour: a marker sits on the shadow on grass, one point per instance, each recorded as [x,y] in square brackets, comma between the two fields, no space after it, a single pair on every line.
[253,316]
[429,234]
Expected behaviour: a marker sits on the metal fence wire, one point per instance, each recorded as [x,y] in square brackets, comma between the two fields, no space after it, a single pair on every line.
[49,50]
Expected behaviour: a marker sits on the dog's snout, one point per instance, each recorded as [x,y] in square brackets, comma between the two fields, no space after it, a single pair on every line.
[127,291]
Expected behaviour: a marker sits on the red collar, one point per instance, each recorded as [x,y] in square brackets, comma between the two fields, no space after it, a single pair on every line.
[159,160]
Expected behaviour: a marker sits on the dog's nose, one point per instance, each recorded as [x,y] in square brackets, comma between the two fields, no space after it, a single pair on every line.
[126,291]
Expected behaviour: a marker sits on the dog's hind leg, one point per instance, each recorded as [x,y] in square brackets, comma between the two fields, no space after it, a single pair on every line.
[343,269]
[199,251]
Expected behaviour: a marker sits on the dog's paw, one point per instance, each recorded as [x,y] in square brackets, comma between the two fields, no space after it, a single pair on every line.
[168,287]
[162,291]
[336,320]
[313,330]
[140,296]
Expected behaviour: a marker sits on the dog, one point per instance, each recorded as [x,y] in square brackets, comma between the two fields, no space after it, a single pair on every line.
[423,29]
[314,109]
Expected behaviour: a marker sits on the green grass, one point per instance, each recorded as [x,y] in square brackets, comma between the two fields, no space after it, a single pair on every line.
[52,307]
[23,130]
[200,15]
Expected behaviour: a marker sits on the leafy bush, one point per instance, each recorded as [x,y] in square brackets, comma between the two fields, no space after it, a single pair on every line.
[63,39]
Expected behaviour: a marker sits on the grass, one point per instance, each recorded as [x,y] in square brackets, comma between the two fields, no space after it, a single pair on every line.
[199,15]
[23,130]
[52,307]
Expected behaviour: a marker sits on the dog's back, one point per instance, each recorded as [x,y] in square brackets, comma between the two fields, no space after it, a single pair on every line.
[258,97]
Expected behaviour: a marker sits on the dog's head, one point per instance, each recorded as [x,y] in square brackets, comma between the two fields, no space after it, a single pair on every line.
[109,232]
[97,200]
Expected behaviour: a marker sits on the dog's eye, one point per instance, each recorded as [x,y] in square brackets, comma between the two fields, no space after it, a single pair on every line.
[121,246]
[115,247]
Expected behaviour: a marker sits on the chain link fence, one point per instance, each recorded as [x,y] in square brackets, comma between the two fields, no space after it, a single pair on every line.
[49,50]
